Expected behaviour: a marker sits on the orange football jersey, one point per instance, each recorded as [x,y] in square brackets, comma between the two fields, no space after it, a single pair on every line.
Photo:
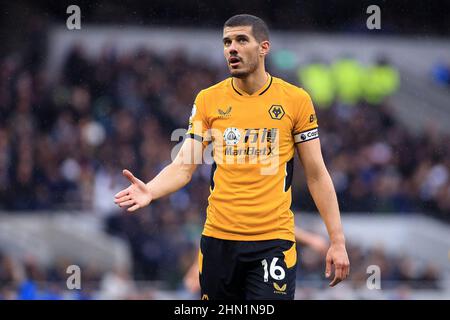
[253,141]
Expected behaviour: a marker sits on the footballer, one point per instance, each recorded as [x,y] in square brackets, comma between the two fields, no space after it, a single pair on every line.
[254,122]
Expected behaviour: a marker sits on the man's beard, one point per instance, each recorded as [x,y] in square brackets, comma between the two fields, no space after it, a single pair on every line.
[239,74]
[244,73]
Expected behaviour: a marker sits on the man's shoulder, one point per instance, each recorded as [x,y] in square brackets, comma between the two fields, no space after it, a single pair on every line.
[215,89]
[290,89]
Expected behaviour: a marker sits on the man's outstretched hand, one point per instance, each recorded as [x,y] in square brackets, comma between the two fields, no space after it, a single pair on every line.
[136,196]
[337,257]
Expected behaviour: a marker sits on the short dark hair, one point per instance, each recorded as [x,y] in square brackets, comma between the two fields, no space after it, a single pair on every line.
[259,27]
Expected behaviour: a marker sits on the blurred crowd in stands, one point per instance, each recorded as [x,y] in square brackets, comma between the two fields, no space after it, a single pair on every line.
[27,279]
[64,143]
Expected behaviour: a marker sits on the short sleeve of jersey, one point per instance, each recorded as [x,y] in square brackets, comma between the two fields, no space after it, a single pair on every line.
[198,125]
[305,121]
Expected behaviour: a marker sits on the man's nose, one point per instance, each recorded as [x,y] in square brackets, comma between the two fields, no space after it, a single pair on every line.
[232,48]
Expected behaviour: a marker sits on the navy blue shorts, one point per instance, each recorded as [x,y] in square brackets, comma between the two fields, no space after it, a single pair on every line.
[247,270]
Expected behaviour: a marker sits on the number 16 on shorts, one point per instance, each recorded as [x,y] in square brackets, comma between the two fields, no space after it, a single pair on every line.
[276,272]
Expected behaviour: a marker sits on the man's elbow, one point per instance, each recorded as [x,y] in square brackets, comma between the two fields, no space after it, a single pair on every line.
[318,174]
[185,171]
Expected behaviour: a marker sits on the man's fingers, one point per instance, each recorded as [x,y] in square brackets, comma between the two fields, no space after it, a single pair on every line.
[127,203]
[338,275]
[129,176]
[122,199]
[335,281]
[347,270]
[122,193]
[133,208]
[328,268]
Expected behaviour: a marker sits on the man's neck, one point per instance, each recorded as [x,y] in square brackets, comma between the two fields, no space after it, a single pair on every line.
[253,82]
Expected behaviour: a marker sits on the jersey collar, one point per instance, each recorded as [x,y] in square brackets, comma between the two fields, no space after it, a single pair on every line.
[260,92]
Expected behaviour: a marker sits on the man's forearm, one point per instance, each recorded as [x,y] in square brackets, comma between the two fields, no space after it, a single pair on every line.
[172,178]
[324,195]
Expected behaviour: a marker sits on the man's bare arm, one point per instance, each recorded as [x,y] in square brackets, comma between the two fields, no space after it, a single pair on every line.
[322,191]
[172,178]
[177,174]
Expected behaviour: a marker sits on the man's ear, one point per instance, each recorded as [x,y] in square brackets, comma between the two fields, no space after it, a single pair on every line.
[264,47]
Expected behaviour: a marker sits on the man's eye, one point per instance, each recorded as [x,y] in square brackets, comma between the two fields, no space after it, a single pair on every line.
[242,40]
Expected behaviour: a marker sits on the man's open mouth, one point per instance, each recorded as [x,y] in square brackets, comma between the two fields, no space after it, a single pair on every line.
[234,61]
